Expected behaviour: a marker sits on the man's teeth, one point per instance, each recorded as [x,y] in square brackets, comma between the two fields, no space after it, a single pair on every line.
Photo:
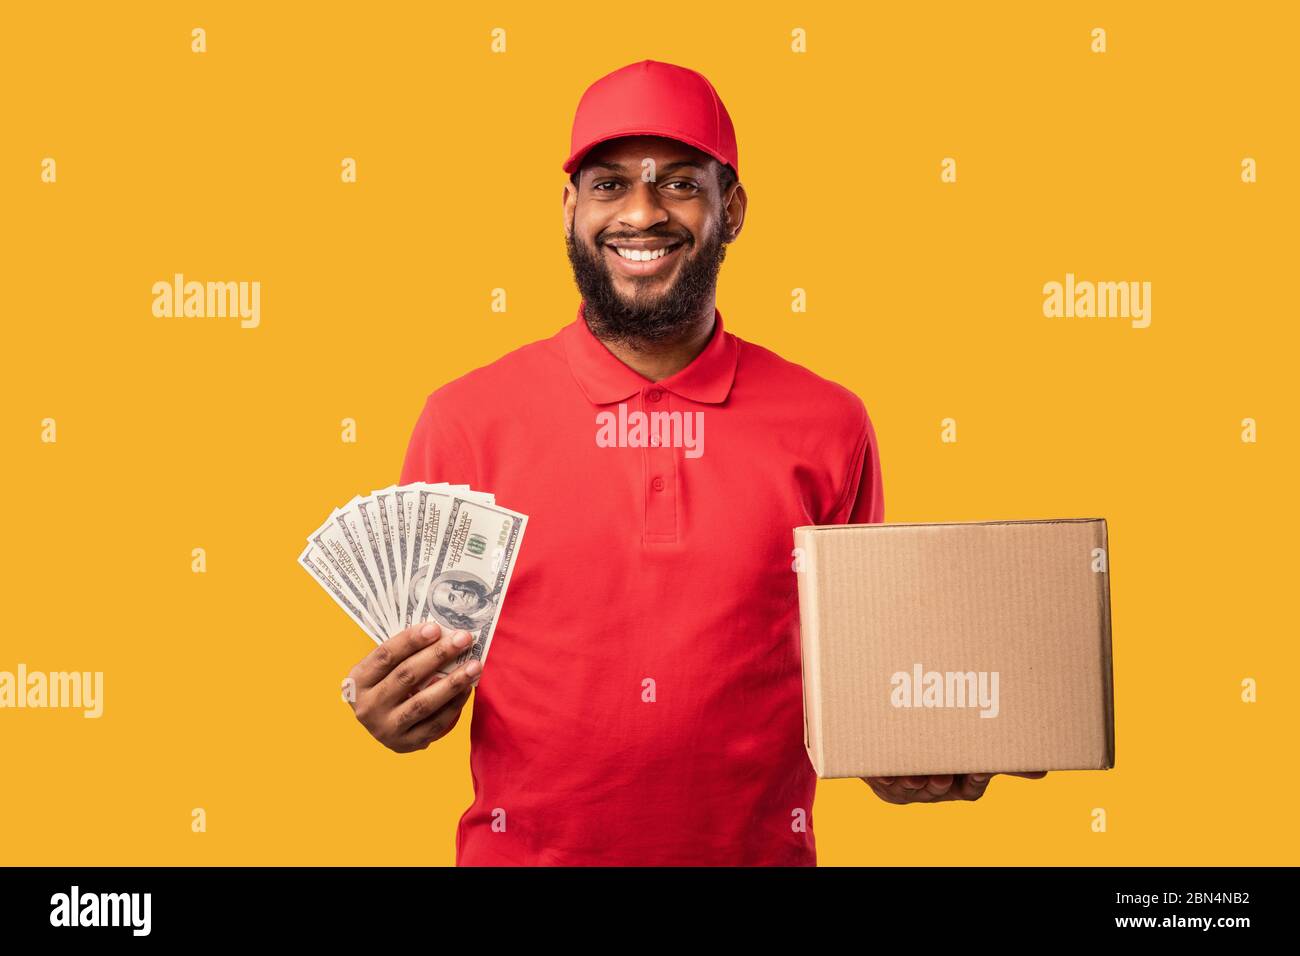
[643,255]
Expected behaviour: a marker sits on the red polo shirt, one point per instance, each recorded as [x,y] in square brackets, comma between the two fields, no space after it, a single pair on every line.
[642,702]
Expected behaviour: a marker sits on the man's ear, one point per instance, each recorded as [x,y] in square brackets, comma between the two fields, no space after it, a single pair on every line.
[569,206]
[733,211]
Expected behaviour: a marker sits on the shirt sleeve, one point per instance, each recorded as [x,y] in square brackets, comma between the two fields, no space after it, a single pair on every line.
[864,496]
[437,450]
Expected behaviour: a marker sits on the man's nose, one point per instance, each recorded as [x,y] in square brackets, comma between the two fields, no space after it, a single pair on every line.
[643,208]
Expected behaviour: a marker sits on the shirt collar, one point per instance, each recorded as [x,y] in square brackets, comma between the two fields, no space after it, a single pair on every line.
[604,378]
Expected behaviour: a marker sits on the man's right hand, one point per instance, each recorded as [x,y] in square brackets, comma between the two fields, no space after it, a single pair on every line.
[398,694]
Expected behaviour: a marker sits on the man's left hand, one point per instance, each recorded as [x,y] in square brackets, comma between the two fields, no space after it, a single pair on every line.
[938,787]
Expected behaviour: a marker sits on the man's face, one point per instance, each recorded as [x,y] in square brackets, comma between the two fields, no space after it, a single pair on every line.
[678,217]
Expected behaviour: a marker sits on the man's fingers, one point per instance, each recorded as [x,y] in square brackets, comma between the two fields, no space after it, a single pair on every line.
[926,789]
[908,790]
[917,789]
[939,784]
[420,735]
[883,787]
[973,785]
[380,662]
[939,787]
[412,674]
[976,783]
[435,697]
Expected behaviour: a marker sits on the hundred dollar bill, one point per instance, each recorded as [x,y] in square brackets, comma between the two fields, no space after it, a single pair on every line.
[373,542]
[404,505]
[428,505]
[385,501]
[408,500]
[375,556]
[323,571]
[408,504]
[348,521]
[431,504]
[387,509]
[466,587]
[335,545]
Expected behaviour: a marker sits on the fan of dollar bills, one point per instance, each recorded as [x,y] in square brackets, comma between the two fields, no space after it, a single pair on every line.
[419,552]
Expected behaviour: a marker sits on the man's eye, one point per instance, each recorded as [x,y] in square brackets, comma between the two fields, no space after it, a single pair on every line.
[676,182]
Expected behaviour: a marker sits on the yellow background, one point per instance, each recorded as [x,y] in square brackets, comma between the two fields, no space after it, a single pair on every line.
[221,689]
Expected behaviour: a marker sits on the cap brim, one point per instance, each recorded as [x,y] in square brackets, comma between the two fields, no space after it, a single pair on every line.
[573,162]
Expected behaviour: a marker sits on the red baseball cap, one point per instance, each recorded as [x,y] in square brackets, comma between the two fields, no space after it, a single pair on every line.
[650,98]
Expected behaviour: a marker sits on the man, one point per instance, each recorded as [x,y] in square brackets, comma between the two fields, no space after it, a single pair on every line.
[644,700]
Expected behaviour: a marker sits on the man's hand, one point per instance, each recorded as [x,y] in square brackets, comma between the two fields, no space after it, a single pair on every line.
[399,695]
[937,788]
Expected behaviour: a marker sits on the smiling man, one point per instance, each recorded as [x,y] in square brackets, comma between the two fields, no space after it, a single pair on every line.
[644,701]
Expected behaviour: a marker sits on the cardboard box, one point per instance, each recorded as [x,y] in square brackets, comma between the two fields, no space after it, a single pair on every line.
[956,648]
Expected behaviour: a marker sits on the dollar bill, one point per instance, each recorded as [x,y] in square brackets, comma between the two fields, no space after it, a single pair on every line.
[386,499]
[368,512]
[467,584]
[415,552]
[348,520]
[430,511]
[408,498]
[334,545]
[429,503]
[314,560]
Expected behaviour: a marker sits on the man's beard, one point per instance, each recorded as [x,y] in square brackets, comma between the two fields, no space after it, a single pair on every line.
[646,319]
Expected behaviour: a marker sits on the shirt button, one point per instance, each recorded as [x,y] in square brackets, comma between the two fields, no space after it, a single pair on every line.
[654,395]
[657,484]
